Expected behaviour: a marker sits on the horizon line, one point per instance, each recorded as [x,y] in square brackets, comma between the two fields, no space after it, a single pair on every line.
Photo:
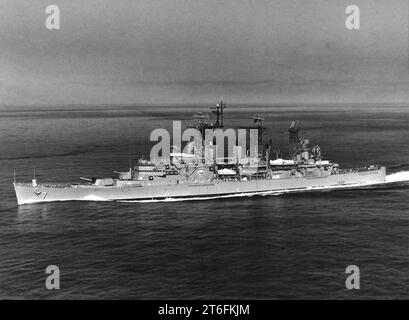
[200,104]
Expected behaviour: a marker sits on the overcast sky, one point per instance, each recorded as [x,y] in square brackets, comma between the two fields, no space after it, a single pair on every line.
[187,51]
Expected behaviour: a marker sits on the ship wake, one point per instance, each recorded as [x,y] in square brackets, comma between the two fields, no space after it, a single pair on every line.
[402,176]
[391,179]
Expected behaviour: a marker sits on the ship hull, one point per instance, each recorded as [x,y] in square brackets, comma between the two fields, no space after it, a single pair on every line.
[27,193]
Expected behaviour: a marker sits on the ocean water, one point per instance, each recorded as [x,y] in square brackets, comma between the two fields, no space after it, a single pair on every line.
[286,246]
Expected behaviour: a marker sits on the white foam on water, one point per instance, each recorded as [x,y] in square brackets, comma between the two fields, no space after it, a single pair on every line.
[402,176]
[200,198]
[93,197]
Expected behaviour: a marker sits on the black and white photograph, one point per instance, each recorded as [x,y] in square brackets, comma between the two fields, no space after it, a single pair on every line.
[190,151]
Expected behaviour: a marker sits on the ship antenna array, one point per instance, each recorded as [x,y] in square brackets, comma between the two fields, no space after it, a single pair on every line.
[218,111]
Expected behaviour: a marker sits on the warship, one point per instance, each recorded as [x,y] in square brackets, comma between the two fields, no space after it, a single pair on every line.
[195,174]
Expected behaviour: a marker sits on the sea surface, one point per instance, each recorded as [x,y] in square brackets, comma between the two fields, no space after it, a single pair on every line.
[288,246]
